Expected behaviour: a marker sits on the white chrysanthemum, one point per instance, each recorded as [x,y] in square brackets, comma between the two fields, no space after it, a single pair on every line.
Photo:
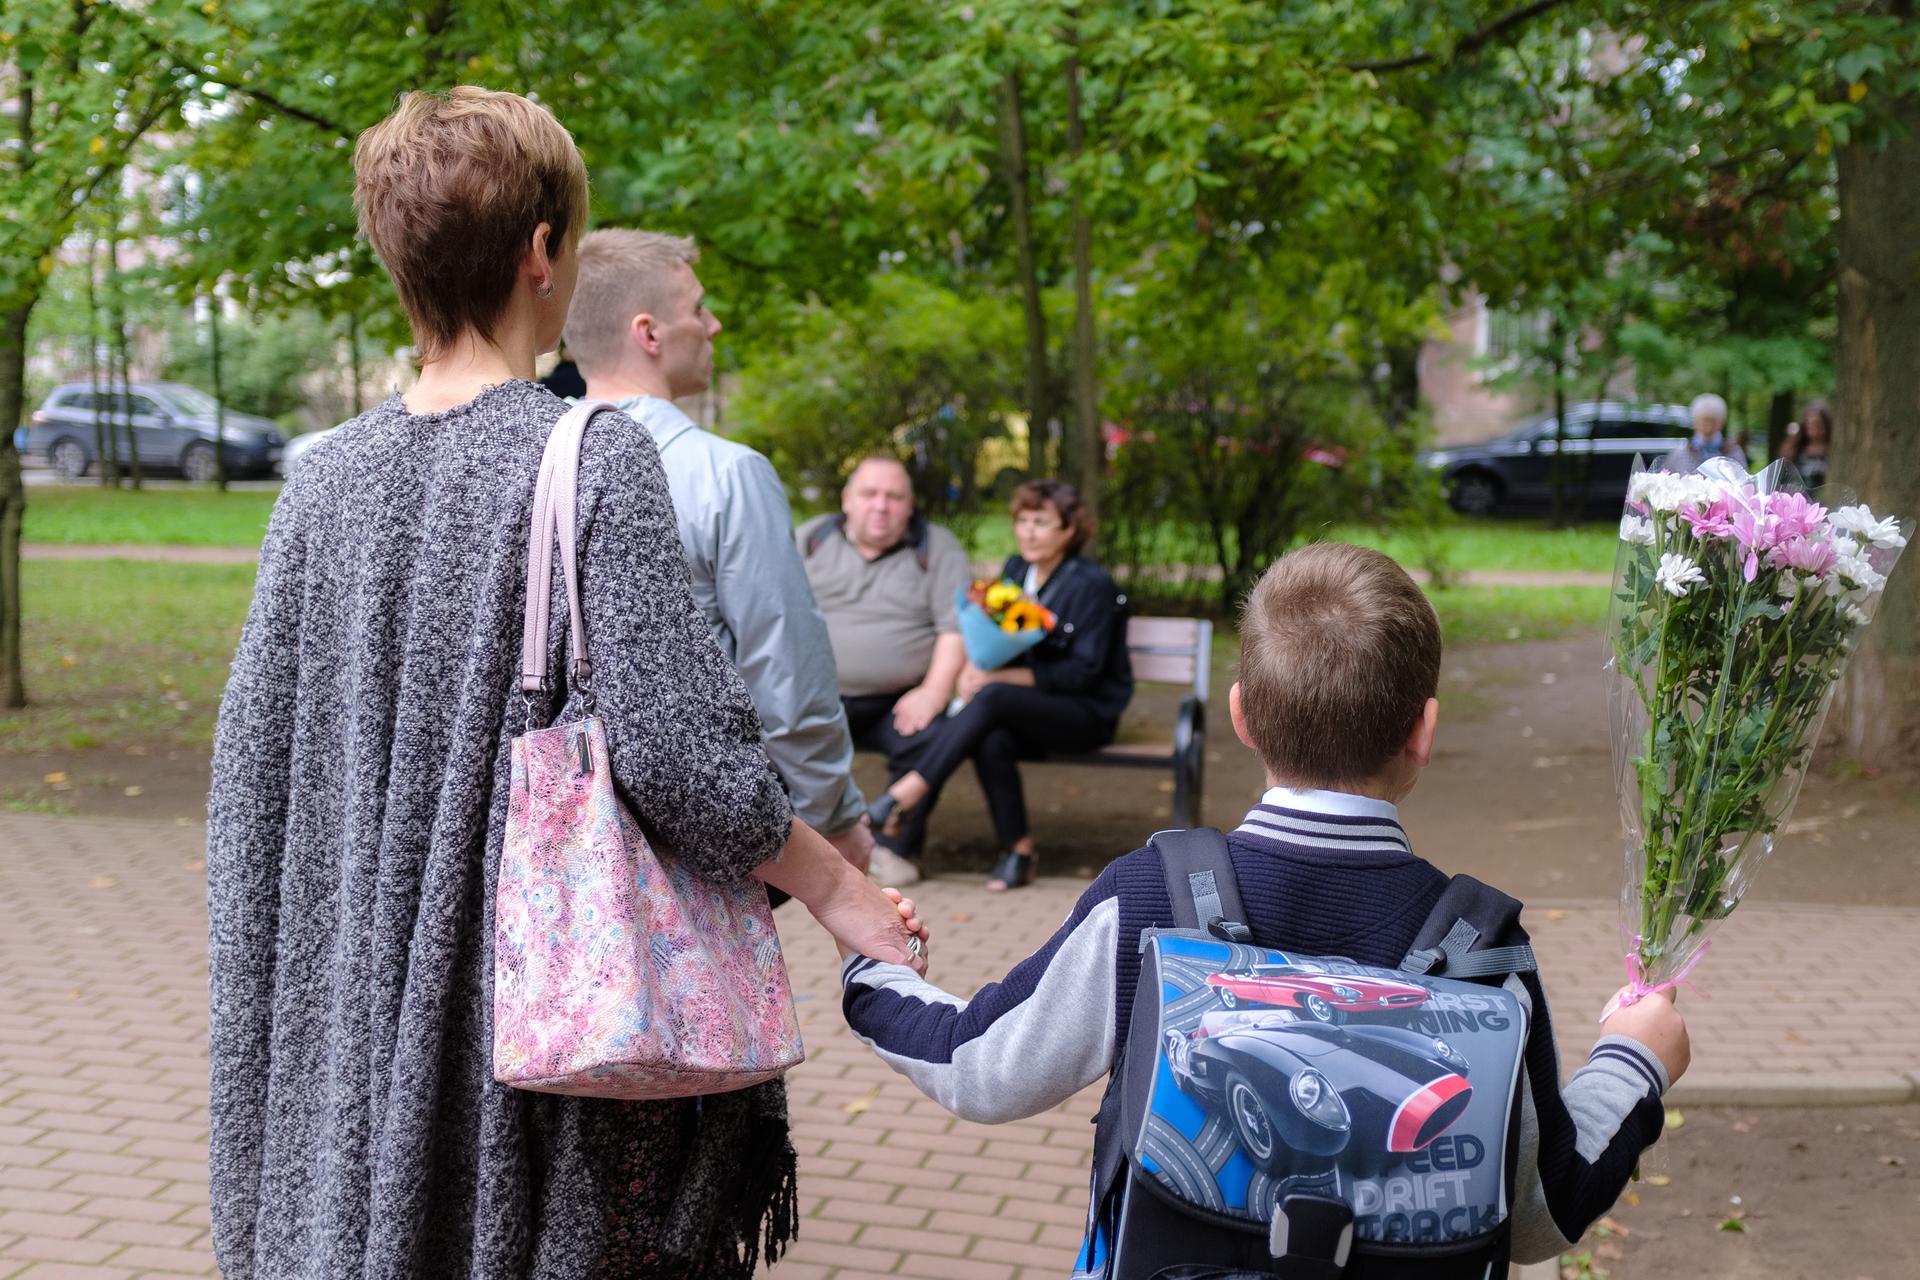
[1788,586]
[1854,614]
[1860,521]
[1677,574]
[1636,529]
[1859,572]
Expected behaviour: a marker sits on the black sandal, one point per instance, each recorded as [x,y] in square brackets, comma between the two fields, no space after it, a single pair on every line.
[1013,871]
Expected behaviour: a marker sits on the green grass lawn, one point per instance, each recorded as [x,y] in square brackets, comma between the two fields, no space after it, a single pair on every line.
[203,517]
[175,517]
[125,652]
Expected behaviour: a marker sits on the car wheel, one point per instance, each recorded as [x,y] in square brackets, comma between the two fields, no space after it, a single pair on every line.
[1229,999]
[1251,1121]
[1317,1008]
[1474,493]
[69,459]
[198,462]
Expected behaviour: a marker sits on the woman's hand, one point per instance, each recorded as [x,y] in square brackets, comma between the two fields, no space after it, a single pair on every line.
[879,923]
[852,908]
[972,680]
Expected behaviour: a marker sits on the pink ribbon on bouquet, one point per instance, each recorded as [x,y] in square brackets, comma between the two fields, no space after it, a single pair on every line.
[1637,987]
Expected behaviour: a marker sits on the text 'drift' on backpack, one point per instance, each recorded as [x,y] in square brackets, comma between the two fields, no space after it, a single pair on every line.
[1308,1117]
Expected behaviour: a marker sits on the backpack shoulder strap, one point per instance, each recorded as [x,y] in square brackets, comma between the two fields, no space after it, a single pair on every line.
[920,538]
[1200,882]
[824,530]
[1473,931]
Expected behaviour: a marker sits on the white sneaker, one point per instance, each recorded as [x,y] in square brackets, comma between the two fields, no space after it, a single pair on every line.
[889,868]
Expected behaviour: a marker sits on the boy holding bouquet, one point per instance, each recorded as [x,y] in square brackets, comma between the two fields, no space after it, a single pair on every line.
[1340,660]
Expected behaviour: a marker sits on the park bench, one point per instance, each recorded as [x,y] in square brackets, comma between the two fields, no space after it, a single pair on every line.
[1175,651]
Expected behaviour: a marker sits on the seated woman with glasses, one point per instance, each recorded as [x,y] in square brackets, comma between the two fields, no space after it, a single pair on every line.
[1065,694]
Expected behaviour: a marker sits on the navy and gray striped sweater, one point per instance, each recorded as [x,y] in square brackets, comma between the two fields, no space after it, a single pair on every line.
[1325,875]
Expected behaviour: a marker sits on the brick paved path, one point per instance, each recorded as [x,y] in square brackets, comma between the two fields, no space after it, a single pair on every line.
[103,1070]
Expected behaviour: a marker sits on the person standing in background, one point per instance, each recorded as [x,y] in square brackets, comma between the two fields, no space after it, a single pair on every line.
[1807,443]
[1709,439]
[643,337]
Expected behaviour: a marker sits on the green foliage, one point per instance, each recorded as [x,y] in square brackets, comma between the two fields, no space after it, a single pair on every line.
[263,360]
[912,369]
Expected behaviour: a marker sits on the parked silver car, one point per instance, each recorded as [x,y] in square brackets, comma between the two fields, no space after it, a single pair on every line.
[174,427]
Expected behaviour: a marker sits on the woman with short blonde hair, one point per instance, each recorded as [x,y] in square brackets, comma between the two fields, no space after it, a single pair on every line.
[361,775]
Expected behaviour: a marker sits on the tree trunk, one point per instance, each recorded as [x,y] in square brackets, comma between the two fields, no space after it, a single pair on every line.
[353,354]
[106,437]
[1013,160]
[1399,396]
[1877,454]
[219,394]
[13,496]
[1089,449]
[1559,424]
[117,291]
[1779,414]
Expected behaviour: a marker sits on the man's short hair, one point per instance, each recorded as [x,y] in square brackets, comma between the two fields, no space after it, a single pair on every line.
[622,273]
[1339,652]
[886,459]
[1708,406]
[449,189]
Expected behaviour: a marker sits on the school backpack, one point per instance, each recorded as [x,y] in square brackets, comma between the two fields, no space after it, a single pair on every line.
[1307,1117]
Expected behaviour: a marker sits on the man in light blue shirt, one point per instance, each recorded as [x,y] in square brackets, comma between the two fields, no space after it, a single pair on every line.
[640,331]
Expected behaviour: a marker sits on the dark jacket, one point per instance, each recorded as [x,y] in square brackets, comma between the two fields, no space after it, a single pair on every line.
[1086,656]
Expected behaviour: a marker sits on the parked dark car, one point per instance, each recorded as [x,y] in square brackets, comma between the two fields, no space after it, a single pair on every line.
[1514,471]
[174,428]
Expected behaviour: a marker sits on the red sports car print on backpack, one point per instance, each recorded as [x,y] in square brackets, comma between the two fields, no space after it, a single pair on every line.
[1314,991]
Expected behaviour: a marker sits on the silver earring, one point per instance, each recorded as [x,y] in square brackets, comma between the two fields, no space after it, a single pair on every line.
[546,292]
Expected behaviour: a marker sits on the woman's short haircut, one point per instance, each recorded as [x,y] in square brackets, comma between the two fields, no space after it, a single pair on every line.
[450,188]
[622,273]
[1064,500]
[1708,406]
[1339,652]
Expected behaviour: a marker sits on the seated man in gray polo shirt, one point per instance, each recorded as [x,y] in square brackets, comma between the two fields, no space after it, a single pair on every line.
[885,579]
[641,334]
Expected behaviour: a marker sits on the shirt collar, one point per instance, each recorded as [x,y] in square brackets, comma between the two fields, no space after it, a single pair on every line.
[662,418]
[1340,804]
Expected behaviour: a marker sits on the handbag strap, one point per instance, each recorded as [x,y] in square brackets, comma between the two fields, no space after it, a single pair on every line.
[555,512]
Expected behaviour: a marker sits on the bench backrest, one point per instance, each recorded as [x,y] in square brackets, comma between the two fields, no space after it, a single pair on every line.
[1171,651]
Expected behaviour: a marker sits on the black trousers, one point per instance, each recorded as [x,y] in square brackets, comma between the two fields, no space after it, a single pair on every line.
[1003,724]
[870,719]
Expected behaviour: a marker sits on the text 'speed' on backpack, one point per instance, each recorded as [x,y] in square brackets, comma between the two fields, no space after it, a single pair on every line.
[1307,1117]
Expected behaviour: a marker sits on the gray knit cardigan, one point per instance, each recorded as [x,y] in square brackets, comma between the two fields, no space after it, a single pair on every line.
[359,796]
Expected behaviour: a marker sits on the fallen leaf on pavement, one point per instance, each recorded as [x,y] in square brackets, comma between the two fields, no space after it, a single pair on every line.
[1659,1180]
[133,792]
[857,1106]
[1733,1224]
[55,778]
[1556,915]
[102,882]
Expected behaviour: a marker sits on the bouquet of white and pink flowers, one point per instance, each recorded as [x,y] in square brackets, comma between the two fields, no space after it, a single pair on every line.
[1736,608]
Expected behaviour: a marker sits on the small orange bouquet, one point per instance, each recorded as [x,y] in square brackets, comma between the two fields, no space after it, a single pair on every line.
[1008,607]
[999,622]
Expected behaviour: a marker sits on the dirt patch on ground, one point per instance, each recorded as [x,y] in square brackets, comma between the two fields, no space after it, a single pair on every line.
[1520,792]
[1824,1194]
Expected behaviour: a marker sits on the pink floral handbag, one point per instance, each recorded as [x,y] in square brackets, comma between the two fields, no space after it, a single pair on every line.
[616,974]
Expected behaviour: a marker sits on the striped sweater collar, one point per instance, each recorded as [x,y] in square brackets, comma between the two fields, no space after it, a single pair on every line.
[1331,819]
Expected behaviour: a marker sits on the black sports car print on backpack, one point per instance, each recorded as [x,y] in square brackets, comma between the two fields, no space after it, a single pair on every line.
[1308,1117]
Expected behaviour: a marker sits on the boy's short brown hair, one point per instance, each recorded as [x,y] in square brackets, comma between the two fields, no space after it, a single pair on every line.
[1339,652]
[449,189]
